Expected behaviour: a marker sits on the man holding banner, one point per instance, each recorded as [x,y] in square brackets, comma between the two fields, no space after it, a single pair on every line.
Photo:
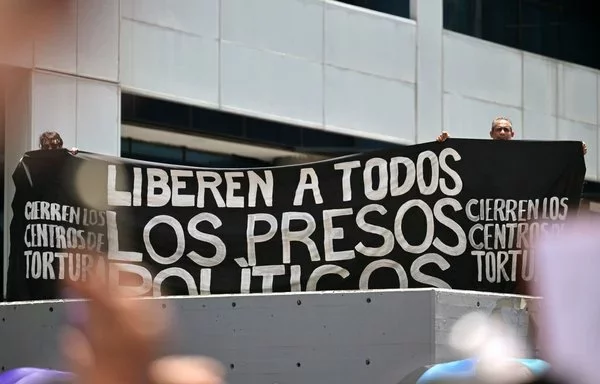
[459,215]
[501,130]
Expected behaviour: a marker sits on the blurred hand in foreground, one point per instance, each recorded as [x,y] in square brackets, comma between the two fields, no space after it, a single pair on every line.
[112,338]
[186,370]
[567,278]
[116,339]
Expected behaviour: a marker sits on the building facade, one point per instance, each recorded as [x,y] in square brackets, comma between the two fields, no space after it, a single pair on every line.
[255,82]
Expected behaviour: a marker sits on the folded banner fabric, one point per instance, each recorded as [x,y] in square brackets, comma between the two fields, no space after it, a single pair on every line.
[461,215]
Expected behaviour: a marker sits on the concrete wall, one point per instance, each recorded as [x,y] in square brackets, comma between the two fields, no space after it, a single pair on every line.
[344,337]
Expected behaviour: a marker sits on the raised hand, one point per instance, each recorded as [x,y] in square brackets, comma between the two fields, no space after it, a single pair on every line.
[443,137]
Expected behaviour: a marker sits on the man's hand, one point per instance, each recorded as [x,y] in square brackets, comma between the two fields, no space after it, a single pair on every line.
[584,146]
[443,137]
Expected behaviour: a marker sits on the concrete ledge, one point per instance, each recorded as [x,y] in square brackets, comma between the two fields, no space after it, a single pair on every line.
[334,337]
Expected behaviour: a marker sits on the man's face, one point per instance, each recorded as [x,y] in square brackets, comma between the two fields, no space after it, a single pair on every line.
[502,130]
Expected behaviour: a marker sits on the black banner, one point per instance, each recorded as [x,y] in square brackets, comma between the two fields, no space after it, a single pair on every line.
[459,215]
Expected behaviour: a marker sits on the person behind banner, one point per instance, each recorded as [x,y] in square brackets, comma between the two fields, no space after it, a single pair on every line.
[51,140]
[502,129]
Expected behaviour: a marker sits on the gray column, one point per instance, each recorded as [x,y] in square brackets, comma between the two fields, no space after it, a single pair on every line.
[429,94]
[17,139]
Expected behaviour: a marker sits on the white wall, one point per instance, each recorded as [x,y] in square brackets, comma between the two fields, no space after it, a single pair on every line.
[73,60]
[62,76]
[545,98]
[331,66]
[316,63]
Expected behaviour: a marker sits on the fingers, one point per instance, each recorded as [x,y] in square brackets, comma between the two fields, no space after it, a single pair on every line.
[111,307]
[77,351]
[444,135]
[186,370]
[120,335]
[95,289]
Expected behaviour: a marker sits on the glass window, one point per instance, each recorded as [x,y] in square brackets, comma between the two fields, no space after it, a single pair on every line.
[162,114]
[272,132]
[213,122]
[371,145]
[500,22]
[562,29]
[155,152]
[203,159]
[591,190]
[160,153]
[125,146]
[320,139]
[541,28]
[461,16]
[127,106]
[392,7]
